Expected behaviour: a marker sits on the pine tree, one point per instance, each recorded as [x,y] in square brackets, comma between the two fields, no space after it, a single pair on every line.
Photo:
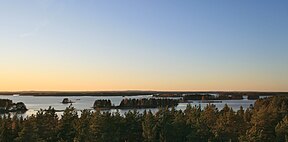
[95,127]
[207,122]
[241,124]
[133,125]
[282,130]
[180,127]
[164,125]
[28,132]
[263,125]
[82,127]
[192,115]
[149,127]
[6,134]
[67,125]
[226,126]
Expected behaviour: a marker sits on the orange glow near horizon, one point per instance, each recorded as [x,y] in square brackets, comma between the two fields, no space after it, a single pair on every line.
[125,81]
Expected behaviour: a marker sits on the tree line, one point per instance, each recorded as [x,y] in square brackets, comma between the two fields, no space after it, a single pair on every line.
[136,103]
[7,106]
[267,121]
[148,103]
[218,97]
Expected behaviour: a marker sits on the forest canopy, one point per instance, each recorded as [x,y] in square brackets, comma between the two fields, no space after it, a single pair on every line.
[267,121]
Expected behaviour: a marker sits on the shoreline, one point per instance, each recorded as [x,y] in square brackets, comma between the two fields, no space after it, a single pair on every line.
[135,93]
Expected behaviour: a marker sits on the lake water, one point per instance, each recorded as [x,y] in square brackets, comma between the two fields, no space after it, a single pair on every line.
[34,103]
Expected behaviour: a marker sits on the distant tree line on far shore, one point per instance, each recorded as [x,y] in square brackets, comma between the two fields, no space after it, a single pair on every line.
[218,97]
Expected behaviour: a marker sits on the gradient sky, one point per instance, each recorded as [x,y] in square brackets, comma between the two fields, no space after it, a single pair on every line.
[144,45]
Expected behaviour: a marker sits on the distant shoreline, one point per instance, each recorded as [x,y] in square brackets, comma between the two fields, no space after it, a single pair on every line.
[116,93]
[136,93]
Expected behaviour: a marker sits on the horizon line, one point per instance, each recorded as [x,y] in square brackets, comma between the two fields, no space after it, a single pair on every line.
[2,91]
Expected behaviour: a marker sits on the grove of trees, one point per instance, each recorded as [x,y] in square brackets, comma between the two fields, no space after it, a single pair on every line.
[148,103]
[267,121]
[7,105]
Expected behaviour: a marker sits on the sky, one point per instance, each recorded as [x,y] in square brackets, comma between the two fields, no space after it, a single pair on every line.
[185,45]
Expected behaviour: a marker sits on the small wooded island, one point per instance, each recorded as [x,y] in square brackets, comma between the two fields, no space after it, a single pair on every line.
[66,101]
[136,103]
[7,105]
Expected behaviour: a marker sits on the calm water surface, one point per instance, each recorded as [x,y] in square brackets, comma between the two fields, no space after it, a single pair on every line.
[34,103]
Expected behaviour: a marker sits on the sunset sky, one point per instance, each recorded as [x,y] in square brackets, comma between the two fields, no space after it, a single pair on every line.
[96,45]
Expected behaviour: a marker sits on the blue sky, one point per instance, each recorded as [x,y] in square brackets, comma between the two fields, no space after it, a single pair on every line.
[144,44]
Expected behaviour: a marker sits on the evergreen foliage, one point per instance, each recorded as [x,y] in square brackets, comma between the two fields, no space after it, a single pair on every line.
[268,121]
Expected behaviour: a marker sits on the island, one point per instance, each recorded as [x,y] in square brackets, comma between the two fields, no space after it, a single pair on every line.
[7,106]
[136,103]
[102,104]
[66,101]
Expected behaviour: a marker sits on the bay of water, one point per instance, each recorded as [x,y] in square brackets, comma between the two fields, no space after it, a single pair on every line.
[35,103]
